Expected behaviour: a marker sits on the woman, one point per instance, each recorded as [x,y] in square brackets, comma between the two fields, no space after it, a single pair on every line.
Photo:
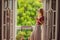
[36,34]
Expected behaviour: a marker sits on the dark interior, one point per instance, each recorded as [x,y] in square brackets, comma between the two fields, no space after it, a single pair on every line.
[0,19]
[58,20]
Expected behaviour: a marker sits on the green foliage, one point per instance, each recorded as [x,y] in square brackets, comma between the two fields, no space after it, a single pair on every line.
[25,33]
[26,12]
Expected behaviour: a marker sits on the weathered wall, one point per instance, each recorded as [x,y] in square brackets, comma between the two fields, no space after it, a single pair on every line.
[0,18]
[58,20]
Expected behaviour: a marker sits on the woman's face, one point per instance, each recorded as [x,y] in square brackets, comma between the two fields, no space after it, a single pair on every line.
[39,15]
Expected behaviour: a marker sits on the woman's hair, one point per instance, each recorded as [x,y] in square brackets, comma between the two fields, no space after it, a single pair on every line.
[40,11]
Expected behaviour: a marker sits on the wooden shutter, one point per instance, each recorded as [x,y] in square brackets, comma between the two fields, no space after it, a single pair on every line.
[8,19]
[50,14]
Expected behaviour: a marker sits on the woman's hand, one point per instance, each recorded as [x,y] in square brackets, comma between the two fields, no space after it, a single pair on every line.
[40,21]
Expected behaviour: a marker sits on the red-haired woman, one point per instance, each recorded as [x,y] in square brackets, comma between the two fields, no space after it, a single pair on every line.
[36,34]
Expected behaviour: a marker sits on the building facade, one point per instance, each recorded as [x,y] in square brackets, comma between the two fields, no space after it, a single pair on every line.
[51,14]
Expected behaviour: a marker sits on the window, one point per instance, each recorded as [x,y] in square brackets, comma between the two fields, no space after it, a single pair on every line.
[26,13]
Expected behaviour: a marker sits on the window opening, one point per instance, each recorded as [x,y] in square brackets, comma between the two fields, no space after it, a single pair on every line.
[26,13]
